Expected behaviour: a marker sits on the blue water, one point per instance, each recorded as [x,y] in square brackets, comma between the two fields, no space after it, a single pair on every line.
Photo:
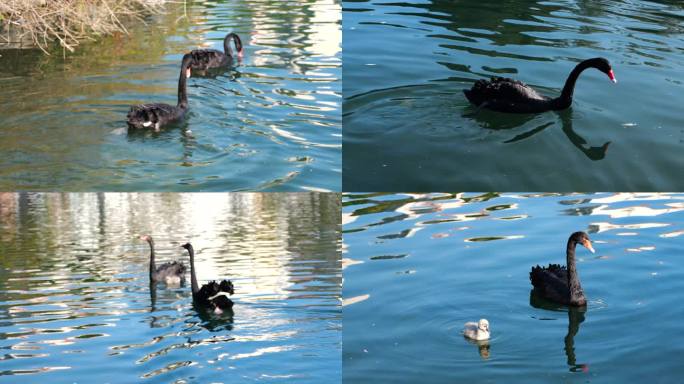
[417,267]
[408,126]
[76,305]
[272,123]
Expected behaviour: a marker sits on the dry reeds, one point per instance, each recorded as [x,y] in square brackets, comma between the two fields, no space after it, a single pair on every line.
[40,22]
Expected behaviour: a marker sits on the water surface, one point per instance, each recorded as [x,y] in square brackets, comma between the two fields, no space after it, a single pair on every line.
[408,126]
[76,305]
[419,266]
[271,123]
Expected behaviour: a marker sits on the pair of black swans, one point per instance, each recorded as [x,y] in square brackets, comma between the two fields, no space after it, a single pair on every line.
[212,296]
[199,61]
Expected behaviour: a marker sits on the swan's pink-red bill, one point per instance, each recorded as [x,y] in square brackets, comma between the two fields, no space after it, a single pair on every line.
[612,76]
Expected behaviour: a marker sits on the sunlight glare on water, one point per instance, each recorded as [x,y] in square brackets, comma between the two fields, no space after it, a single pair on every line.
[418,266]
[271,123]
[76,305]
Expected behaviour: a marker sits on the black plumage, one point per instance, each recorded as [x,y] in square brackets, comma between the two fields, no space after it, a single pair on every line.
[512,96]
[155,116]
[169,273]
[204,59]
[561,283]
[212,296]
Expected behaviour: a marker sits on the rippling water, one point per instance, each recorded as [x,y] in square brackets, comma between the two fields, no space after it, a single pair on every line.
[417,267]
[408,126]
[272,123]
[76,306]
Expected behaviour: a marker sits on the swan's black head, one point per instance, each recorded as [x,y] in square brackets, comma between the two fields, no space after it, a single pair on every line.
[227,286]
[187,246]
[602,65]
[583,239]
[186,64]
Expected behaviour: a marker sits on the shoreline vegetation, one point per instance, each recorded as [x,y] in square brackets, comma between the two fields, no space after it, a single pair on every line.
[39,23]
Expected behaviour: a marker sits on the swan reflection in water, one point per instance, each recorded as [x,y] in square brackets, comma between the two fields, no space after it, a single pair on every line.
[482,346]
[576,316]
[490,120]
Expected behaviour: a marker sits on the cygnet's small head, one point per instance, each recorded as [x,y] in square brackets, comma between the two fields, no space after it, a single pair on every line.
[483,325]
[583,238]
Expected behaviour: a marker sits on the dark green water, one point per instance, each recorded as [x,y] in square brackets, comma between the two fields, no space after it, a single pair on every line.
[419,266]
[273,123]
[405,116]
[76,306]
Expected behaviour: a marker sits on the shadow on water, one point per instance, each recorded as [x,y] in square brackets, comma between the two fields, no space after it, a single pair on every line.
[213,322]
[593,153]
[482,347]
[576,316]
[490,120]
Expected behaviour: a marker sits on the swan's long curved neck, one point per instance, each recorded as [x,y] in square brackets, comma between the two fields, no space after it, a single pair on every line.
[153,266]
[569,88]
[182,88]
[573,278]
[226,44]
[193,277]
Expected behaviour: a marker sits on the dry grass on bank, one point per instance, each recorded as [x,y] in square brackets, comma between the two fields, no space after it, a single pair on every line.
[40,22]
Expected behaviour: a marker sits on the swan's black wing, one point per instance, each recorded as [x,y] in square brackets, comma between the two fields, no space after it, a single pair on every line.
[222,302]
[151,115]
[551,282]
[171,269]
[214,295]
[506,95]
[203,59]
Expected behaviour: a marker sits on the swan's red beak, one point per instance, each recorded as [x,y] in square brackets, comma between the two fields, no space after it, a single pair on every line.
[188,72]
[240,54]
[611,75]
[587,245]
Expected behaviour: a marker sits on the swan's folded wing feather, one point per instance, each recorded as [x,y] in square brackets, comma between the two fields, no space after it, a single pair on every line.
[470,325]
[207,58]
[171,269]
[150,112]
[512,91]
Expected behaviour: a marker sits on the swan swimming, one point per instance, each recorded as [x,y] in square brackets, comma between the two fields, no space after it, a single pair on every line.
[477,331]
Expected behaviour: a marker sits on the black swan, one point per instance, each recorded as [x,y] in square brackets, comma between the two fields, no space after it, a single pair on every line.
[213,295]
[558,283]
[512,96]
[172,273]
[203,59]
[157,115]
